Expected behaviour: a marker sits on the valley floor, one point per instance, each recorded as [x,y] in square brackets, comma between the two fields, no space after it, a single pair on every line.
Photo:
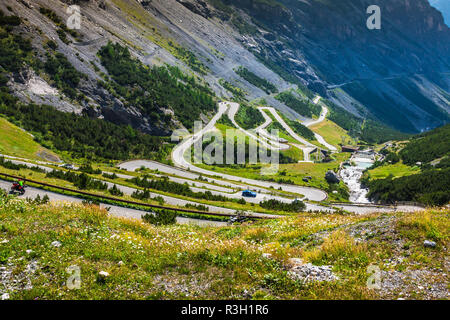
[223,181]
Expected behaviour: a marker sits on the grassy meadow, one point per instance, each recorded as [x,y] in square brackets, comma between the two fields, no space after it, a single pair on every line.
[38,243]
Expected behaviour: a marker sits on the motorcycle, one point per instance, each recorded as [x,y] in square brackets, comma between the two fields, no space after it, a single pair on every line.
[17,188]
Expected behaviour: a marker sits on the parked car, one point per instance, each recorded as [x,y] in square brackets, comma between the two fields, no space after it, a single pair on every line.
[249,194]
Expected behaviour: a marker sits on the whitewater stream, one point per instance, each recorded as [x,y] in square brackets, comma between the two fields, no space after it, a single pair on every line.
[351,175]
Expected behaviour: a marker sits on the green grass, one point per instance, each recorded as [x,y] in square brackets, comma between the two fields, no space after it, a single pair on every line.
[332,133]
[397,170]
[186,261]
[294,153]
[291,172]
[231,204]
[296,172]
[18,143]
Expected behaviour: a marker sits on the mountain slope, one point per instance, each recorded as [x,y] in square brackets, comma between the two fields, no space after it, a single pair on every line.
[444,7]
[65,68]
[425,171]
[397,75]
[326,45]
[18,143]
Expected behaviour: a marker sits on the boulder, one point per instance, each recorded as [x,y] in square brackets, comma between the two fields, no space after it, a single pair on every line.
[429,244]
[332,177]
[102,276]
[311,273]
[56,244]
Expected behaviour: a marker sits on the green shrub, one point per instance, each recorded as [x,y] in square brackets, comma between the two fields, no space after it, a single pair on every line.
[115,191]
[303,107]
[81,181]
[161,218]
[272,204]
[111,176]
[249,117]
[152,89]
[87,168]
[65,76]
[252,78]
[427,147]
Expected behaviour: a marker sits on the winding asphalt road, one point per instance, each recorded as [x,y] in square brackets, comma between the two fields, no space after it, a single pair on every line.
[322,117]
[319,138]
[153,165]
[264,141]
[113,210]
[179,160]
[136,214]
[173,201]
[287,127]
[263,133]
[306,147]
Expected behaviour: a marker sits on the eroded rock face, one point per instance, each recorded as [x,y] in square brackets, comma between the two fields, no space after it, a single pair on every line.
[322,45]
[199,7]
[327,45]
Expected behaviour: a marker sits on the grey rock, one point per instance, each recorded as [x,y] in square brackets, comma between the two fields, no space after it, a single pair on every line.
[332,177]
[429,244]
[311,273]
[103,274]
[198,7]
[56,244]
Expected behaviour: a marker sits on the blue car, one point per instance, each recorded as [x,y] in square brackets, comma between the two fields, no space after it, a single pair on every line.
[249,194]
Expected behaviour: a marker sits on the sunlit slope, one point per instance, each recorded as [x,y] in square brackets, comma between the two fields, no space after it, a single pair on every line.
[18,143]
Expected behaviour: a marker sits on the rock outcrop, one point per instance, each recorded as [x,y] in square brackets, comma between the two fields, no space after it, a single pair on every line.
[324,45]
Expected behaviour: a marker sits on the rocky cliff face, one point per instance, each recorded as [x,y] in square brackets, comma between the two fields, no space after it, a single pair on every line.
[399,74]
[444,7]
[334,36]
[327,45]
